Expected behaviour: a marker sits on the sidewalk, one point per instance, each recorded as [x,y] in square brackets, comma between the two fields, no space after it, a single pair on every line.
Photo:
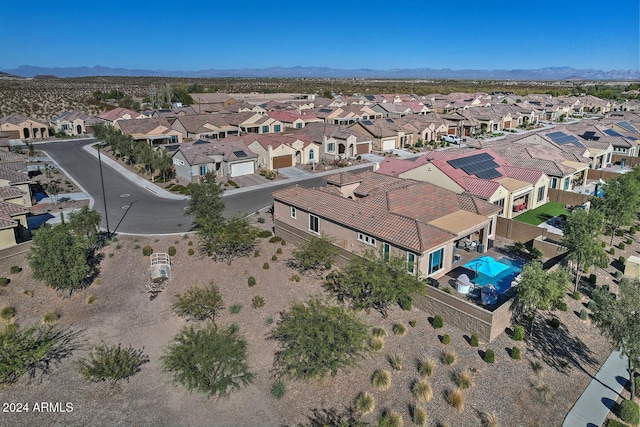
[600,396]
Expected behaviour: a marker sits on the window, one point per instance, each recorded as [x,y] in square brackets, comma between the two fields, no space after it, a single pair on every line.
[501,204]
[312,155]
[203,170]
[176,161]
[436,260]
[298,125]
[265,129]
[331,147]
[540,194]
[174,139]
[293,212]
[366,239]
[608,157]
[491,227]
[567,180]
[385,251]
[411,262]
[554,182]
[314,224]
[276,128]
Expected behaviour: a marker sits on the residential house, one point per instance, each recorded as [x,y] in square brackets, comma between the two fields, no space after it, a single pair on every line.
[281,151]
[389,216]
[155,130]
[209,126]
[74,123]
[391,110]
[224,159]
[386,134]
[337,142]
[17,126]
[291,119]
[250,122]
[481,173]
[118,114]
[171,114]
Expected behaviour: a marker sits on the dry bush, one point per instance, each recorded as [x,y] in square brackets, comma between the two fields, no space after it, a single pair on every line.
[381,380]
[489,419]
[425,369]
[419,415]
[448,358]
[396,362]
[456,399]
[422,391]
[544,393]
[365,404]
[463,379]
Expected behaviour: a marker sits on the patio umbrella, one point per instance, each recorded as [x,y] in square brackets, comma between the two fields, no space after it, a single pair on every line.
[488,266]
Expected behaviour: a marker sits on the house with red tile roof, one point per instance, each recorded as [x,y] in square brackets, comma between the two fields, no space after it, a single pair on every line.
[291,119]
[481,173]
[388,215]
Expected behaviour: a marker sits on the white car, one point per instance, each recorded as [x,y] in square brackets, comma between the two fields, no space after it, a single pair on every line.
[453,139]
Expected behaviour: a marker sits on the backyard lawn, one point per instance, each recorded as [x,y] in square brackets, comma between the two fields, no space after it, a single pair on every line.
[542,213]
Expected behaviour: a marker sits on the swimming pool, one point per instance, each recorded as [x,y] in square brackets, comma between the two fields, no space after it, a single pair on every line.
[502,281]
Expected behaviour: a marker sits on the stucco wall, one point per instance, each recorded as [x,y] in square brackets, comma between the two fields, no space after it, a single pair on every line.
[7,238]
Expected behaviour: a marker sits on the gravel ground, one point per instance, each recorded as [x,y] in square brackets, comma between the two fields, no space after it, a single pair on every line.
[123,312]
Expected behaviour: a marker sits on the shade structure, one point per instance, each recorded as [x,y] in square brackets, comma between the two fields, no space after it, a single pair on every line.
[487,266]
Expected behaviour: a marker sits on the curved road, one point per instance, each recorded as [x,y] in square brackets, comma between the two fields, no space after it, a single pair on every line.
[135,210]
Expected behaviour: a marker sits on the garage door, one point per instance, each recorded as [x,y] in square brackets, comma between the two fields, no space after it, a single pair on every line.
[362,148]
[239,169]
[388,145]
[282,162]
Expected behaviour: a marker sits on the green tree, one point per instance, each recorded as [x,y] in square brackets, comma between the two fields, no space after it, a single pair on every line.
[163,163]
[59,258]
[618,317]
[112,363]
[315,253]
[539,290]
[199,303]
[206,206]
[620,203]
[208,360]
[235,237]
[317,338]
[368,282]
[181,94]
[581,238]
[33,349]
[84,223]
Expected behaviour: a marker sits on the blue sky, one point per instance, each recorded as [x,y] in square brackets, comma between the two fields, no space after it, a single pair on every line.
[196,35]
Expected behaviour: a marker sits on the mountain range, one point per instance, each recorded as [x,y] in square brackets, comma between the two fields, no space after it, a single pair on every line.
[549,73]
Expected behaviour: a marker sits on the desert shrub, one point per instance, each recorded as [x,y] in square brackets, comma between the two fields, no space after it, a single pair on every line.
[562,306]
[447,290]
[591,305]
[412,323]
[515,353]
[50,318]
[171,251]
[15,269]
[474,340]
[462,379]
[425,369]
[489,356]
[405,302]
[396,362]
[7,313]
[537,367]
[278,388]
[576,295]
[612,251]
[90,299]
[365,404]
[593,279]
[283,242]
[448,358]
[381,380]
[257,301]
[630,412]
[622,260]
[279,251]
[112,363]
[544,392]
[554,323]
[4,281]
[629,241]
[419,415]
[274,257]
[438,322]
[147,250]
[399,329]
[251,281]
[621,245]
[489,419]
[446,339]
[190,251]
[376,343]
[235,308]
[583,314]
[260,220]
[456,399]
[295,278]
[275,239]
[603,244]
[379,332]
[190,243]
[615,423]
[422,391]
[27,292]
[518,333]
[390,419]
[265,266]
[264,234]
[618,274]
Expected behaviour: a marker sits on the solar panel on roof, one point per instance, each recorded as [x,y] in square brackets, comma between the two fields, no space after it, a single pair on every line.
[589,135]
[627,126]
[489,174]
[612,132]
[390,120]
[561,138]
[201,141]
[367,122]
[325,110]
[240,154]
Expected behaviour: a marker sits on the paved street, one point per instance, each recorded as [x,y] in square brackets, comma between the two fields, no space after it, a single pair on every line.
[134,209]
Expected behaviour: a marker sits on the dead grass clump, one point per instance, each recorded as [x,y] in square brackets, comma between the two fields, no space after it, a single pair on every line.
[396,362]
[419,415]
[399,329]
[379,332]
[448,358]
[365,404]
[456,399]
[391,419]
[376,343]
[463,379]
[544,393]
[50,318]
[422,391]
[489,419]
[425,369]
[381,380]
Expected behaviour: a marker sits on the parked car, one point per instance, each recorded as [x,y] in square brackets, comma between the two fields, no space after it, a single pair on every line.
[453,139]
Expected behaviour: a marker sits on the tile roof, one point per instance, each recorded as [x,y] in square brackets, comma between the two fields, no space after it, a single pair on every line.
[397,211]
[17,119]
[118,113]
[144,126]
[395,167]
[10,192]
[480,187]
[8,209]
[343,178]
[316,132]
[290,116]
[10,156]
[198,152]
[14,177]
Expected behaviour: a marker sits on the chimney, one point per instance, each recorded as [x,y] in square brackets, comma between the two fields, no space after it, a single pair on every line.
[376,166]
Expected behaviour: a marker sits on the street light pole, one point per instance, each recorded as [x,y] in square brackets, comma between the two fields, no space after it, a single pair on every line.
[104,198]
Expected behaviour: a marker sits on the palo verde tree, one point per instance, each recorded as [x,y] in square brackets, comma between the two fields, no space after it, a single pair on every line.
[112,363]
[369,282]
[234,238]
[539,290]
[581,238]
[315,253]
[206,206]
[84,224]
[618,318]
[199,303]
[209,360]
[620,203]
[318,338]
